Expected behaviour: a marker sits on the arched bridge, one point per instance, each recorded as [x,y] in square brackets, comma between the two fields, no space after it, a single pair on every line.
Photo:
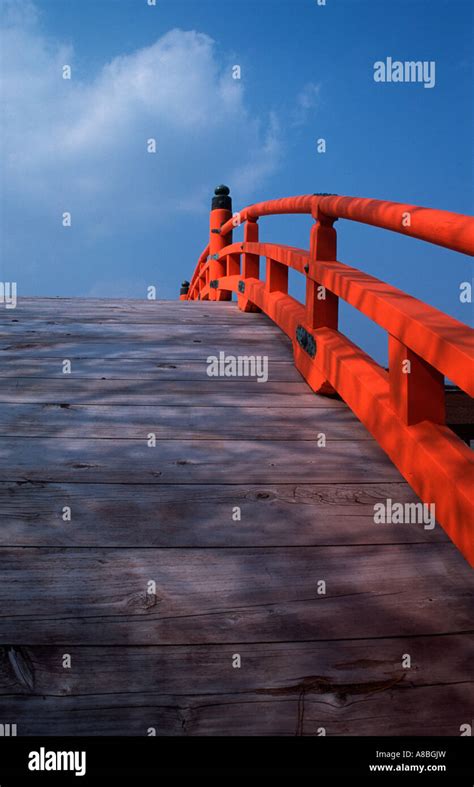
[224,517]
[404,407]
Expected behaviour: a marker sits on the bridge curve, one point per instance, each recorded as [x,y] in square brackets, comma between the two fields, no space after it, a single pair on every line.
[216,554]
[404,407]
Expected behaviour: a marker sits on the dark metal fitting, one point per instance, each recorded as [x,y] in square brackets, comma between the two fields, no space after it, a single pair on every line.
[306,341]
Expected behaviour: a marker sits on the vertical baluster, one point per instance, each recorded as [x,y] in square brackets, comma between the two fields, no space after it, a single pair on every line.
[416,387]
[321,304]
[276,279]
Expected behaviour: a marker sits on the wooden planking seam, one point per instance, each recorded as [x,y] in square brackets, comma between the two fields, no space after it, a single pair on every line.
[183,422]
[191,515]
[204,596]
[256,547]
[430,711]
[192,461]
[270,664]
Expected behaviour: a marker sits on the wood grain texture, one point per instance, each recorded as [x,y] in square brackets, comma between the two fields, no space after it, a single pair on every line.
[152,369]
[249,585]
[99,596]
[162,334]
[251,422]
[193,461]
[140,341]
[427,711]
[72,347]
[202,515]
[284,689]
[104,310]
[355,668]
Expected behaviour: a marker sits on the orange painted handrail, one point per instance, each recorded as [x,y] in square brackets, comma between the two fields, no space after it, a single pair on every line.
[453,230]
[404,408]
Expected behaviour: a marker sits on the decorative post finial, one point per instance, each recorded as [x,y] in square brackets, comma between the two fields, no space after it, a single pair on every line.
[222,198]
[183,293]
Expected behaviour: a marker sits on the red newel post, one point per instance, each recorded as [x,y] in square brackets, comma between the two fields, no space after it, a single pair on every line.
[221,211]
[321,308]
[321,305]
[183,293]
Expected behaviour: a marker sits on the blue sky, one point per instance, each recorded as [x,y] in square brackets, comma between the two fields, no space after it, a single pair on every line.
[79,145]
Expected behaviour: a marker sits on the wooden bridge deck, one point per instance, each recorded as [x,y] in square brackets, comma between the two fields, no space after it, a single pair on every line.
[164,659]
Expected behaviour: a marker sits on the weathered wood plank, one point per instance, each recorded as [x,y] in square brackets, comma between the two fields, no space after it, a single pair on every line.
[101,596]
[308,685]
[248,586]
[187,422]
[106,306]
[103,308]
[273,347]
[203,392]
[429,710]
[154,315]
[85,300]
[353,669]
[194,461]
[202,516]
[135,340]
[145,369]
[162,335]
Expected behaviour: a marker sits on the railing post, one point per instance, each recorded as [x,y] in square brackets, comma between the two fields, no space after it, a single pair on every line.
[416,387]
[183,293]
[321,307]
[221,211]
[250,262]
[276,277]
[321,304]
[250,265]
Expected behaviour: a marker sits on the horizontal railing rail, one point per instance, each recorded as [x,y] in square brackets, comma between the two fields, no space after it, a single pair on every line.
[404,407]
[441,227]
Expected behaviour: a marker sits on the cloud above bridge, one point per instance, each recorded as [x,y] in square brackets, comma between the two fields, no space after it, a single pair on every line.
[307,102]
[80,144]
[94,133]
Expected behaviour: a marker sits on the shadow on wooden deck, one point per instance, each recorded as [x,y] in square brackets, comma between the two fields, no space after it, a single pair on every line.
[237,516]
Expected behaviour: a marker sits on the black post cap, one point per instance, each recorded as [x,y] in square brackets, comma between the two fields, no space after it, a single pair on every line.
[222,198]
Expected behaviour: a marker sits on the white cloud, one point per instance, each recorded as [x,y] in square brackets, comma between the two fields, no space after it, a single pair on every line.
[306,101]
[81,145]
[96,132]
[18,12]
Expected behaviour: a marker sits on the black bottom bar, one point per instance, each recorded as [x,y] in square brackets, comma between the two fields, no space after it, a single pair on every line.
[376,760]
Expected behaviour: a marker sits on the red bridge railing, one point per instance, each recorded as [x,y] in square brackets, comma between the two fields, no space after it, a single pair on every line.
[404,408]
